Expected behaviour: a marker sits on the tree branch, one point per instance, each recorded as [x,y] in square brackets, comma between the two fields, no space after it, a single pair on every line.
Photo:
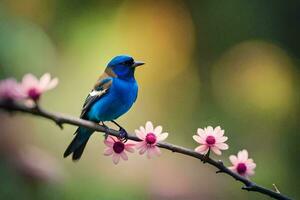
[61,119]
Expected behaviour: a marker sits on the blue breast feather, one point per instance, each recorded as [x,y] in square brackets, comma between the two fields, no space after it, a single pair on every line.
[117,101]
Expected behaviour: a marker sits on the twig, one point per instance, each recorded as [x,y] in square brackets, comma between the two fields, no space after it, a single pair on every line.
[275,188]
[61,119]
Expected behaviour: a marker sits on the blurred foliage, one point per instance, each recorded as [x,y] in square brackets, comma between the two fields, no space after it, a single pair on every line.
[229,63]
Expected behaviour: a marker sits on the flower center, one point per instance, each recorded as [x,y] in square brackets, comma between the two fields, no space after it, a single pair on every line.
[34,94]
[210,140]
[118,147]
[241,168]
[150,138]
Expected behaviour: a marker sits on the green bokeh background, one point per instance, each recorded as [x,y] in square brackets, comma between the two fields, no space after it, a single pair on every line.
[229,63]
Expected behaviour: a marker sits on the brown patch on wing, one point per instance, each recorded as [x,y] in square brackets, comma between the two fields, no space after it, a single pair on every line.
[110,72]
[107,73]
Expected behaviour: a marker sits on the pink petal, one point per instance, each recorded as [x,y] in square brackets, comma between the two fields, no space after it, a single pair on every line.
[53,83]
[203,149]
[222,146]
[156,151]
[112,139]
[124,156]
[44,81]
[143,149]
[149,153]
[218,131]
[109,142]
[143,130]
[10,89]
[233,159]
[216,150]
[140,134]
[249,173]
[116,158]
[249,161]
[251,166]
[221,139]
[131,143]
[149,127]
[162,136]
[201,133]
[243,155]
[140,145]
[29,103]
[209,130]
[129,149]
[153,151]
[158,130]
[198,139]
[232,168]
[29,81]
[108,151]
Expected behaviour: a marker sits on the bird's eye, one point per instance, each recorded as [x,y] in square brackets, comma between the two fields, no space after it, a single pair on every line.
[128,62]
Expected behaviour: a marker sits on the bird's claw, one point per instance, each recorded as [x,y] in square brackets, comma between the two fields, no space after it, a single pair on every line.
[123,135]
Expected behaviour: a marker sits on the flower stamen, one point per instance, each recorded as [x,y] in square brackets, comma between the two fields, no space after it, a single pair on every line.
[34,94]
[210,140]
[241,168]
[118,147]
[150,138]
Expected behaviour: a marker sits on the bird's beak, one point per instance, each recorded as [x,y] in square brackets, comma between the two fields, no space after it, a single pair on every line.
[137,63]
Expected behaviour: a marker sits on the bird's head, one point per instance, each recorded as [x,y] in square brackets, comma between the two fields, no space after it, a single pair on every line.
[123,66]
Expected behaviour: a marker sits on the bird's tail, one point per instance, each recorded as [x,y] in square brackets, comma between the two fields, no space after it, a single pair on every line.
[78,143]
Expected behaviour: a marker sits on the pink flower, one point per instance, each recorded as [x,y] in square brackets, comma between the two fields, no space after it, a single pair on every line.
[117,149]
[242,164]
[33,88]
[210,138]
[150,136]
[10,90]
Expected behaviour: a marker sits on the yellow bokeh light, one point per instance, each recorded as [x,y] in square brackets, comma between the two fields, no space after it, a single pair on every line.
[160,32]
[254,76]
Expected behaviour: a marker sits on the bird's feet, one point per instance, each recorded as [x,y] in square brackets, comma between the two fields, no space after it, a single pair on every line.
[106,134]
[123,135]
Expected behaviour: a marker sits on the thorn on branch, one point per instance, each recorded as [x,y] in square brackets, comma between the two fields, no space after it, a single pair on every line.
[220,162]
[248,187]
[173,149]
[275,188]
[59,123]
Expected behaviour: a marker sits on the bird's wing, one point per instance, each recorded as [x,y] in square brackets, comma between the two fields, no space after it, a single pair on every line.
[101,88]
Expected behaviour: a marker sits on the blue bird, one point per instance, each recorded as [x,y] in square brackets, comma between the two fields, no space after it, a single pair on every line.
[112,96]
